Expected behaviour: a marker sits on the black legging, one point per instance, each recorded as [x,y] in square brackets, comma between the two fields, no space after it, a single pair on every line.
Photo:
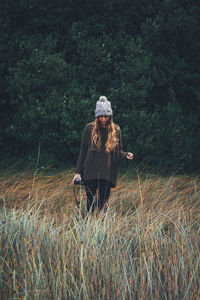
[104,193]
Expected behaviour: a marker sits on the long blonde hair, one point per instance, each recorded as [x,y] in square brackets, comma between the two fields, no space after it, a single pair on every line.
[96,137]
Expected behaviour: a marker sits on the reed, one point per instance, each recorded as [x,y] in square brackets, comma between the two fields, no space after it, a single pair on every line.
[146,245]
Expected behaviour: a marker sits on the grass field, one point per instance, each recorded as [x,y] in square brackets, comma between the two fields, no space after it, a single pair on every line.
[146,245]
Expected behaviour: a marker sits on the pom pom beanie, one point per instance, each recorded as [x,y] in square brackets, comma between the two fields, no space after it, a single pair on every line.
[103,107]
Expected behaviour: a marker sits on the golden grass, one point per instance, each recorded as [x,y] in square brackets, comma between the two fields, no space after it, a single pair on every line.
[145,246]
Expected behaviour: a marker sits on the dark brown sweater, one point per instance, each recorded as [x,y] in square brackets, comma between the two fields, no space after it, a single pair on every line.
[95,164]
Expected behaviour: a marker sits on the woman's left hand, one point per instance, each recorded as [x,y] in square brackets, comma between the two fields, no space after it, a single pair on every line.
[129,155]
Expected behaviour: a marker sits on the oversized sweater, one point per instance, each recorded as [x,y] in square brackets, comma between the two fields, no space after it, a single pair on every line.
[99,164]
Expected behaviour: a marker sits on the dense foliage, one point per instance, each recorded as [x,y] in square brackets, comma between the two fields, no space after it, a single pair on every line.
[57,58]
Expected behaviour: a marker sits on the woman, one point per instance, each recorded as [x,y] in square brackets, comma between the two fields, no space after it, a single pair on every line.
[100,153]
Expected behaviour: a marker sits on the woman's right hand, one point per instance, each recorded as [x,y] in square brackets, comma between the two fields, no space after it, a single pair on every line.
[76,176]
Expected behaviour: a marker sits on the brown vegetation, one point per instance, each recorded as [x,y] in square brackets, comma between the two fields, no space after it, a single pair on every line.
[145,246]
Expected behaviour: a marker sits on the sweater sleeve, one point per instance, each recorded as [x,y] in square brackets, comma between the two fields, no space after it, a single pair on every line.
[83,151]
[122,154]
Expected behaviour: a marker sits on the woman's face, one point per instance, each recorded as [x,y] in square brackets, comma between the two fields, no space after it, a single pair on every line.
[103,120]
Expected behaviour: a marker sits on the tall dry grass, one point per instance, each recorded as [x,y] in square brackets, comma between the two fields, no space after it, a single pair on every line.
[146,245]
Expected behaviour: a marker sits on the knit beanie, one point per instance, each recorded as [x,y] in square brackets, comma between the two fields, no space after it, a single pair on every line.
[103,107]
